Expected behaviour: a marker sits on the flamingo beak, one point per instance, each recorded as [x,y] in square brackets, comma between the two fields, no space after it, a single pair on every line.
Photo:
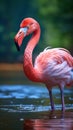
[19,37]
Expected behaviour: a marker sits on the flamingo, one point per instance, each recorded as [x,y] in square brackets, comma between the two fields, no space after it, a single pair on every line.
[53,67]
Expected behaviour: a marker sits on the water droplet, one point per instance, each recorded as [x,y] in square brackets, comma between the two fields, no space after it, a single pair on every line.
[21,119]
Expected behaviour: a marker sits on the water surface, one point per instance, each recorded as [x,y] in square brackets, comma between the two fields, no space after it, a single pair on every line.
[27,107]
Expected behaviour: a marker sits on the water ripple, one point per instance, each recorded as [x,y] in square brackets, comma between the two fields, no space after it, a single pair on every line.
[31,108]
[33,98]
[29,91]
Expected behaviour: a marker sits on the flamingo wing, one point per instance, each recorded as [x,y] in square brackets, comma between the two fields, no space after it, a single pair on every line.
[55,66]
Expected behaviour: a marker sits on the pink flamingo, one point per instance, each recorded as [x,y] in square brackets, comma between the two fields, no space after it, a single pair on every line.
[53,67]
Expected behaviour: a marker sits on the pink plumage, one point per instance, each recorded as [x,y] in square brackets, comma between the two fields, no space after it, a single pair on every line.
[53,67]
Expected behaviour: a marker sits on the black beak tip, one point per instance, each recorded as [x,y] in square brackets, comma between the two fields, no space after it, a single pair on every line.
[18,48]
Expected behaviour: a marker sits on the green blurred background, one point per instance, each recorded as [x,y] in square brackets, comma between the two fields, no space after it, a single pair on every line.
[55,18]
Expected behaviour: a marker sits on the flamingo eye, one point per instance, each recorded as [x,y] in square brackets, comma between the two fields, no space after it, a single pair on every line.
[28,26]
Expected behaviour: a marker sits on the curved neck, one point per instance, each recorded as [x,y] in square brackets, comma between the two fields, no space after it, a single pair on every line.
[29,69]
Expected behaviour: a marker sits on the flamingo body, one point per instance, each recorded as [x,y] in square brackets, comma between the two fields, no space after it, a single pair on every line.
[53,67]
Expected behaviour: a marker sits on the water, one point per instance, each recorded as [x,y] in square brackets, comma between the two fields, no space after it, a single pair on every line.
[27,107]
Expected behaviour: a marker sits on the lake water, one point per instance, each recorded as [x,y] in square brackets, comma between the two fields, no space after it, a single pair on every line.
[27,107]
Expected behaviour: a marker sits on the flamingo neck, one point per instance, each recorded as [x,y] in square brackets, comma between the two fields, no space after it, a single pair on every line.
[28,67]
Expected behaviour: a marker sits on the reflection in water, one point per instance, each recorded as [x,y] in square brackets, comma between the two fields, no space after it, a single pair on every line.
[21,102]
[49,124]
[41,124]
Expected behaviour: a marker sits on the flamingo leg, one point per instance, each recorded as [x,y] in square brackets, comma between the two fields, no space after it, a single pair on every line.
[51,100]
[62,98]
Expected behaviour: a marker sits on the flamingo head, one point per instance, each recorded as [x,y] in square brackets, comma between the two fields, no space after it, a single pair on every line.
[27,26]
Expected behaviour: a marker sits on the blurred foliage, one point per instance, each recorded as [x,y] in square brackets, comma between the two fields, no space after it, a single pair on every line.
[55,18]
[58,16]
